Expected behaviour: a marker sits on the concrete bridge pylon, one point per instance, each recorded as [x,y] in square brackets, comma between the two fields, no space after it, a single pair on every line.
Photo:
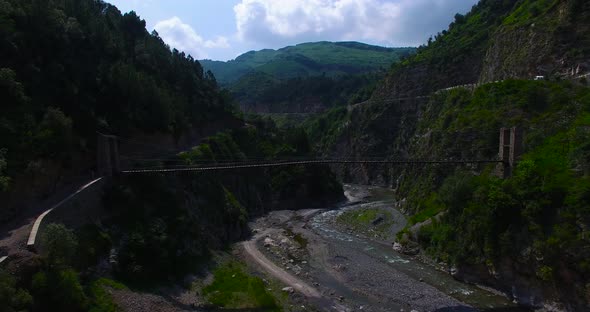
[511,149]
[108,161]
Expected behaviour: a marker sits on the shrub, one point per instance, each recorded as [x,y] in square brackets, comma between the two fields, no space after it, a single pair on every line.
[58,244]
[4,180]
[93,243]
[545,273]
[12,298]
[59,289]
[233,288]
[100,297]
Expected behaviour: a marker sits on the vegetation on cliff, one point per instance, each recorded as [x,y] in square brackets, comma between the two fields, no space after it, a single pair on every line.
[529,231]
[542,209]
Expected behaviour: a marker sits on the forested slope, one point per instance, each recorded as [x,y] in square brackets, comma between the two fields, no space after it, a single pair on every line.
[308,95]
[307,60]
[305,78]
[70,68]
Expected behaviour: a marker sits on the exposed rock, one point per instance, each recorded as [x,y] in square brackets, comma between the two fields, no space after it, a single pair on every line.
[269,242]
[288,290]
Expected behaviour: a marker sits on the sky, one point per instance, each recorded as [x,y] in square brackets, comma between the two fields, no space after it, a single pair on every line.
[224,29]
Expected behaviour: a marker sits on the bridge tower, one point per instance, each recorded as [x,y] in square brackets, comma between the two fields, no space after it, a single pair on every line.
[108,155]
[510,149]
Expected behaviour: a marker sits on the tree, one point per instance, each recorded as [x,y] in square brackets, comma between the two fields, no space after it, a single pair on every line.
[58,244]
[55,133]
[11,297]
[460,19]
[59,289]
[4,180]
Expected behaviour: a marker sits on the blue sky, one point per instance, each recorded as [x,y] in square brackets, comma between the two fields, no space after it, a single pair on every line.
[224,29]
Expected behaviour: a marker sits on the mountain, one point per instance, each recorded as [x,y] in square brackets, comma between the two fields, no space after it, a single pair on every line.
[526,234]
[307,59]
[307,78]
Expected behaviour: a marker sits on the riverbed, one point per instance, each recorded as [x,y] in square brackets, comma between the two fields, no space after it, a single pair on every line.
[355,272]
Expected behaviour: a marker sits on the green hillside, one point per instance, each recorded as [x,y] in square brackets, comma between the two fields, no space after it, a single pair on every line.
[308,59]
[305,78]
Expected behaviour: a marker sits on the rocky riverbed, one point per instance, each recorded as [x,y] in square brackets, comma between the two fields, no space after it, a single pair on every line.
[355,269]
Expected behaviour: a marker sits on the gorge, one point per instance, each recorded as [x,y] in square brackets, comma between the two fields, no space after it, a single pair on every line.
[424,223]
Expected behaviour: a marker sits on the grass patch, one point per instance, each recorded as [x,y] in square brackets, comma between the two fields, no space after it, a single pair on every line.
[233,288]
[528,11]
[101,299]
[362,217]
[362,221]
[431,208]
[302,241]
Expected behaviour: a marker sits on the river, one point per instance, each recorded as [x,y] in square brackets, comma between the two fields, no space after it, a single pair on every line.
[356,273]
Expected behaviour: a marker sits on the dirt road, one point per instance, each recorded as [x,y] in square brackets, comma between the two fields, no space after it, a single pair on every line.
[275,271]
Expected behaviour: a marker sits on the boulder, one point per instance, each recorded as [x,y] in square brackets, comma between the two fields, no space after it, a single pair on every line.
[269,242]
[288,290]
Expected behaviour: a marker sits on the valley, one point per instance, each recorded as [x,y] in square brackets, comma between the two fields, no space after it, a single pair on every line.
[319,176]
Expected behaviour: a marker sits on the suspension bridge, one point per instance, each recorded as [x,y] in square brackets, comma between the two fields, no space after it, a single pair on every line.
[109,160]
[286,163]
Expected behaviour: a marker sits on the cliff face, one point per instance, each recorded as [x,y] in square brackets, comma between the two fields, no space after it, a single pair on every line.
[498,40]
[384,125]
[553,44]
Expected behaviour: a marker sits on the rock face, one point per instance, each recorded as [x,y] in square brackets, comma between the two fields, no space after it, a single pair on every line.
[517,279]
[557,49]
[523,53]
[554,44]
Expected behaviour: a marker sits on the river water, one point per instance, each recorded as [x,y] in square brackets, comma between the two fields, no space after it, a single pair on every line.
[362,197]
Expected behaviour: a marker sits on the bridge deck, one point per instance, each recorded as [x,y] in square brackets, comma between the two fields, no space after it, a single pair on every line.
[218,167]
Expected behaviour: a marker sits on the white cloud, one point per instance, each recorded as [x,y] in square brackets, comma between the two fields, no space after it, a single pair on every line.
[184,38]
[389,22]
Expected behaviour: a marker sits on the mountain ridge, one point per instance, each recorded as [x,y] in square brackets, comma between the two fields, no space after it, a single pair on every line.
[308,59]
